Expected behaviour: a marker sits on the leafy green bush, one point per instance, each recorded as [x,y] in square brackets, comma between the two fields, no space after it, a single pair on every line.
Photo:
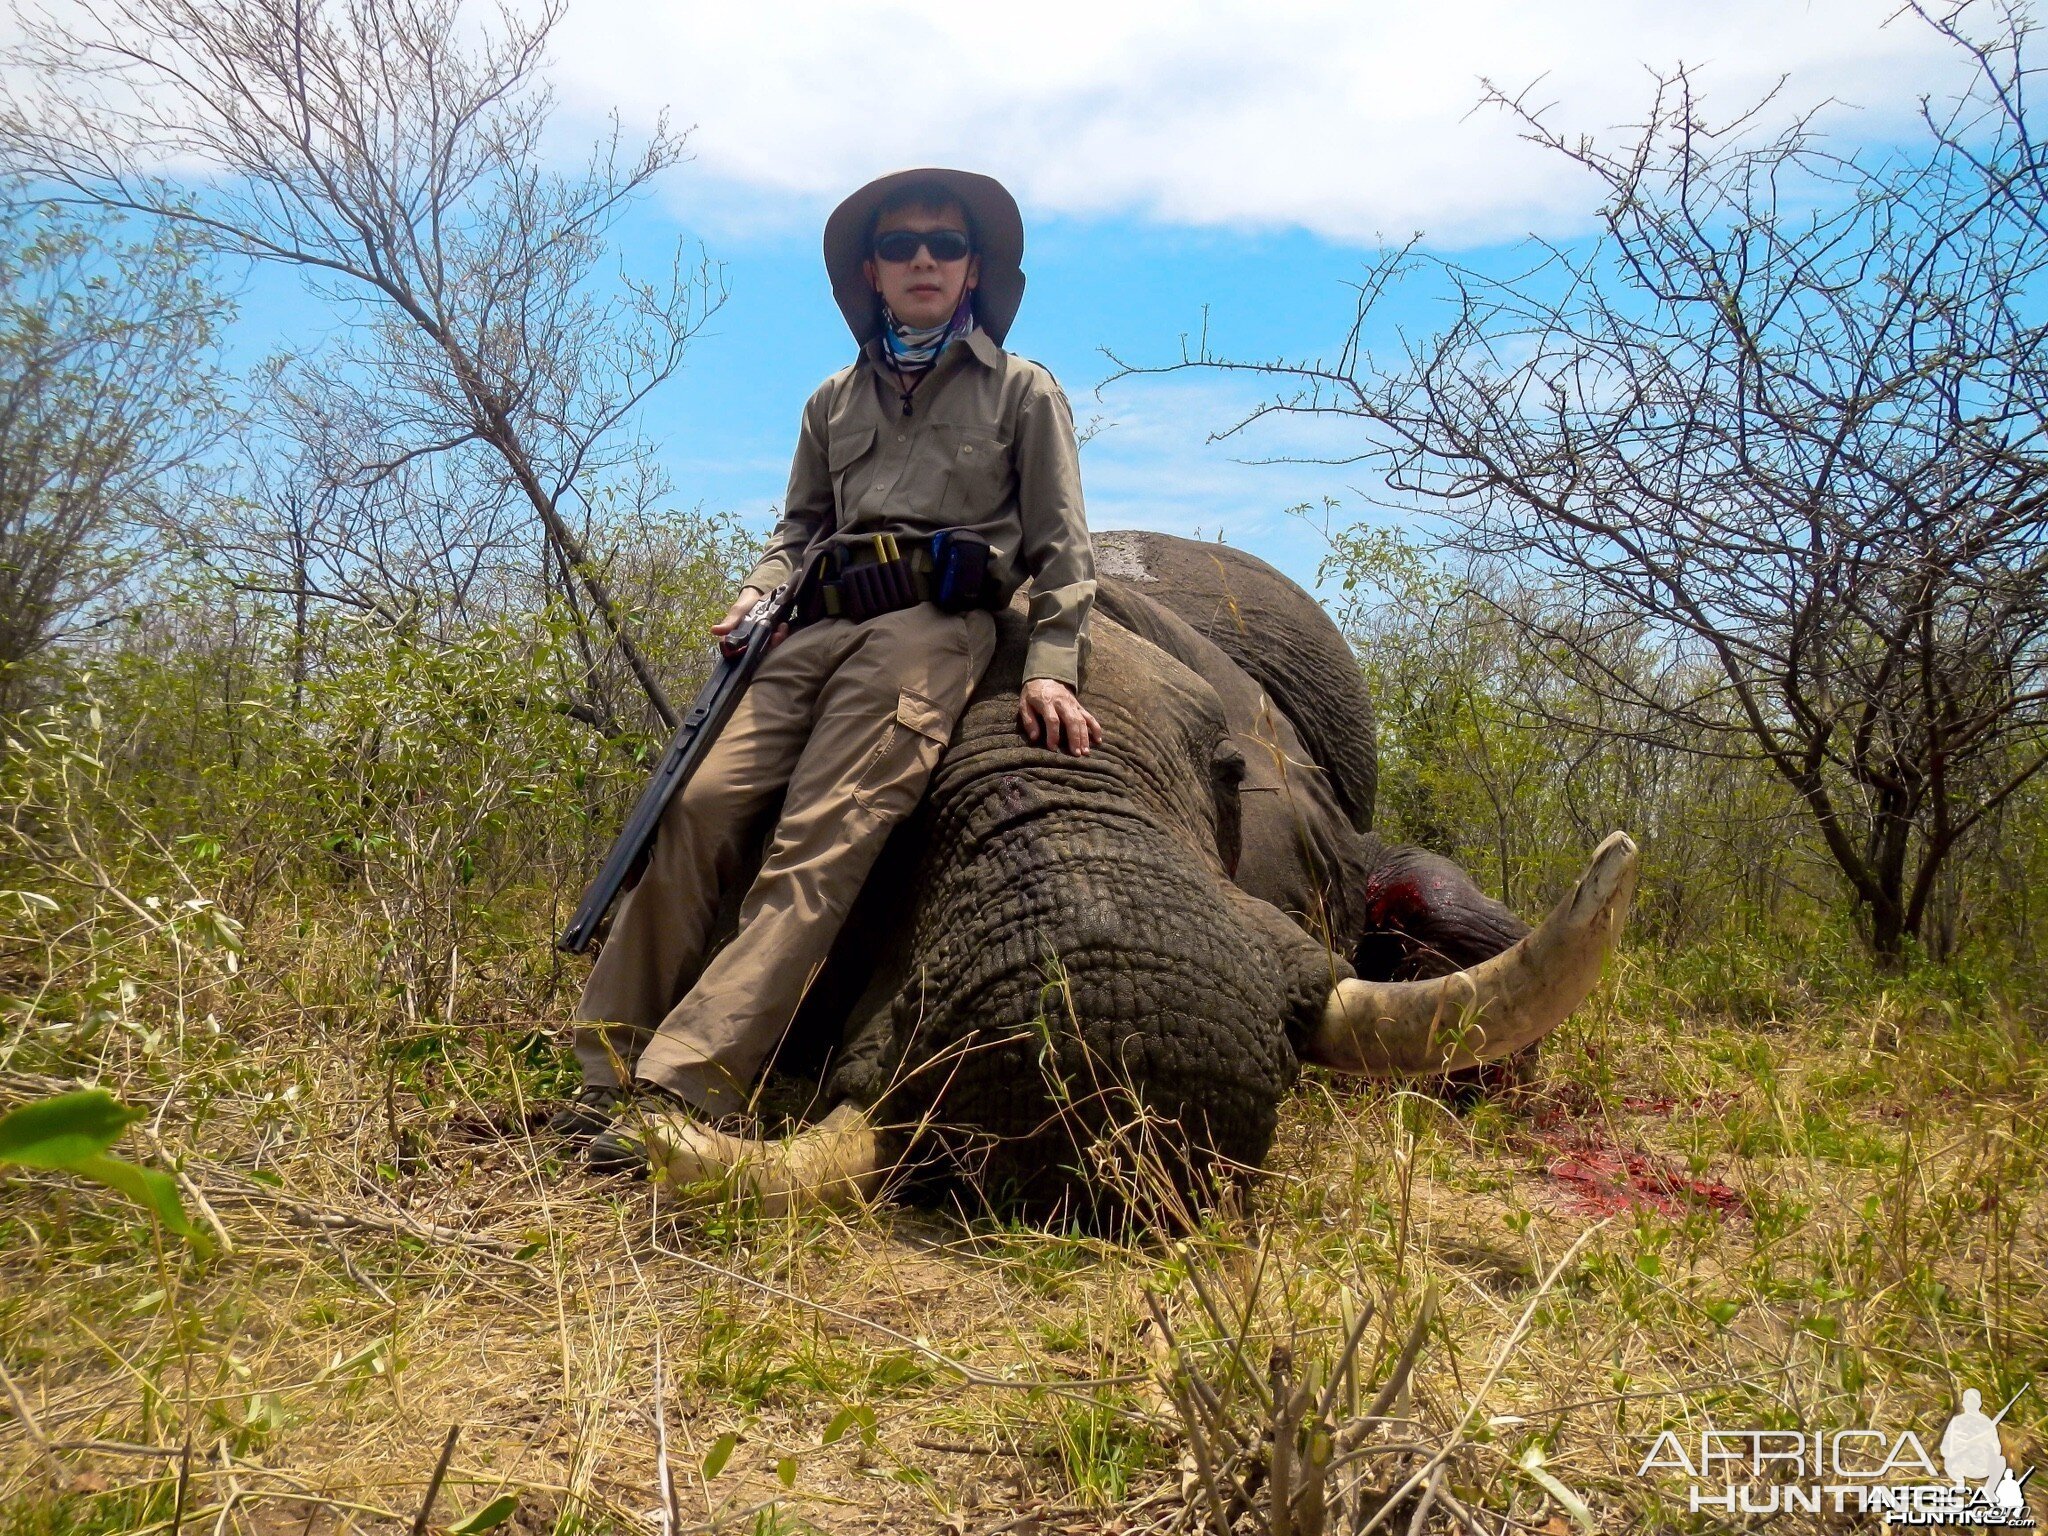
[394,805]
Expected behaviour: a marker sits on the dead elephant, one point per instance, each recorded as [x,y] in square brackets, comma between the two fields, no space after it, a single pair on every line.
[1066,969]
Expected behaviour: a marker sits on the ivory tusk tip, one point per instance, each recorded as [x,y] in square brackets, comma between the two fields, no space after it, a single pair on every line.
[1610,873]
[684,1152]
[835,1162]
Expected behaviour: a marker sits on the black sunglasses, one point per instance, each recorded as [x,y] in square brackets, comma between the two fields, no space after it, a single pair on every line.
[902,244]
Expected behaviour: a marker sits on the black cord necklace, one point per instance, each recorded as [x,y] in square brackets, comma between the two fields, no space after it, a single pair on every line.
[904,391]
[906,387]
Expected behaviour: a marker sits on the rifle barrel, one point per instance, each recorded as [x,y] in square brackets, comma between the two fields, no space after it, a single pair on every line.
[738,657]
[2009,1402]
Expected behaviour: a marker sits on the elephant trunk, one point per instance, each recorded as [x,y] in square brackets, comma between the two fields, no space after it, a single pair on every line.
[1489,1010]
[838,1161]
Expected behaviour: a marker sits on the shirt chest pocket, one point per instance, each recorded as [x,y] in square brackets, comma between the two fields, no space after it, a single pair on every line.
[843,450]
[976,464]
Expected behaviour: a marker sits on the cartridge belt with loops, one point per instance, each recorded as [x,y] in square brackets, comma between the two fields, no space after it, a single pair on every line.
[881,578]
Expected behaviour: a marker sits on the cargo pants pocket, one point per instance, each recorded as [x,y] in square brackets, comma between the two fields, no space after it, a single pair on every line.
[894,775]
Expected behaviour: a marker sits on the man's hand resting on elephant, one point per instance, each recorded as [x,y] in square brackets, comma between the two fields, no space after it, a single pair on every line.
[1048,712]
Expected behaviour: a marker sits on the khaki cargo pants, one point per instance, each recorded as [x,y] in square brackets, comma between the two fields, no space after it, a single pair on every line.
[852,718]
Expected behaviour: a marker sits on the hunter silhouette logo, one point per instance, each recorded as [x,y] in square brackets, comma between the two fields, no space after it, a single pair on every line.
[1855,1471]
[1970,1450]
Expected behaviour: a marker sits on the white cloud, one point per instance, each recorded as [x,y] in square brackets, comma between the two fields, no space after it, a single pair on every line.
[1353,120]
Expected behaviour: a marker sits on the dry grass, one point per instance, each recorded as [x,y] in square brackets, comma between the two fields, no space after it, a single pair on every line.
[1861,1236]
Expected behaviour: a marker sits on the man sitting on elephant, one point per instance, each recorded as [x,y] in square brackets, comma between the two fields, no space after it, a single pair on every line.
[934,427]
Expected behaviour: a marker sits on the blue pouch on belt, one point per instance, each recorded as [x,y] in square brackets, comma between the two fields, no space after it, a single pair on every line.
[960,569]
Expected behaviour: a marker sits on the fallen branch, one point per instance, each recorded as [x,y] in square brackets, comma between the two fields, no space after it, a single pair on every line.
[419,1522]
[29,1426]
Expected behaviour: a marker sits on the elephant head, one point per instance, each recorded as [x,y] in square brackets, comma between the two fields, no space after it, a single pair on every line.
[1063,977]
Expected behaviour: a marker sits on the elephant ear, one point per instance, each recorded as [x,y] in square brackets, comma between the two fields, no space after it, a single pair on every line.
[1226,779]
[1276,632]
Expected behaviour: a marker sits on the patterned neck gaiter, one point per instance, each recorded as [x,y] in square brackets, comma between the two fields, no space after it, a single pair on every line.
[913,349]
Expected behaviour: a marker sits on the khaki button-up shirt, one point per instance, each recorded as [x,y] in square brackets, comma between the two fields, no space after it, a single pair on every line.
[988,445]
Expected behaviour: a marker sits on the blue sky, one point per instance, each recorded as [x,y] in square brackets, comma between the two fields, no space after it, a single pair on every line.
[1168,156]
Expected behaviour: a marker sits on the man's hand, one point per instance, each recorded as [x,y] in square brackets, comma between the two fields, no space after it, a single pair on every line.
[741,607]
[1049,712]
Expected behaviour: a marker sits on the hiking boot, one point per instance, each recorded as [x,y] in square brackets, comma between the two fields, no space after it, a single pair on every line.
[623,1148]
[589,1113]
[616,1151]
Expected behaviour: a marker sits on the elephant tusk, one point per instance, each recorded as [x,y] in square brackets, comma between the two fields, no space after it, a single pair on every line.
[838,1161]
[1493,1009]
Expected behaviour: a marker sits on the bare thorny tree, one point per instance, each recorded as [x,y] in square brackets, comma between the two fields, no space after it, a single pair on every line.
[106,394]
[406,540]
[393,152]
[1785,415]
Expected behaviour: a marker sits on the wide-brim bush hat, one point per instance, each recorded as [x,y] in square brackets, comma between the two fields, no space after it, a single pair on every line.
[993,221]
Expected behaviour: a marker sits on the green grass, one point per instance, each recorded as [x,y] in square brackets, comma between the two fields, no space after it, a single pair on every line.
[1887,1139]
